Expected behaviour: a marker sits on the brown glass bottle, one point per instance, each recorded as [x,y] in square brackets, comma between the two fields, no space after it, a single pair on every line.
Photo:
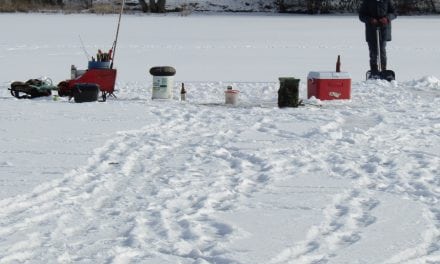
[338,64]
[183,93]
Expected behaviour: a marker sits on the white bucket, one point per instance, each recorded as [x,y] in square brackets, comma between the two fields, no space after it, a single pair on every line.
[163,87]
[231,97]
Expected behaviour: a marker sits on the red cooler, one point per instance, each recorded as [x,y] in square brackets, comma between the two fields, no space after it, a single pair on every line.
[329,85]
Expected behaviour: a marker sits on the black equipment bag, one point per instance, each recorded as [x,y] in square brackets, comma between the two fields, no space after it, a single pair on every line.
[288,93]
[85,92]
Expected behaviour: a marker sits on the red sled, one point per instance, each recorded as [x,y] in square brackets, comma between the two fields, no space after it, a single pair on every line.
[98,73]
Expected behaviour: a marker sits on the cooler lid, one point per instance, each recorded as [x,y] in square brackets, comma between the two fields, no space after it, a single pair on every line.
[328,75]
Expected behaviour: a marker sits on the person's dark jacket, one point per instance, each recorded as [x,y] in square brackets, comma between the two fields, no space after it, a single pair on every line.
[376,9]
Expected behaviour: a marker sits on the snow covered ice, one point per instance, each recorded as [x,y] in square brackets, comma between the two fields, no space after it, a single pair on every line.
[135,180]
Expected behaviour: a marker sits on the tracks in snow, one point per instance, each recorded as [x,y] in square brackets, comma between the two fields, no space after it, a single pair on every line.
[380,153]
[151,194]
[146,194]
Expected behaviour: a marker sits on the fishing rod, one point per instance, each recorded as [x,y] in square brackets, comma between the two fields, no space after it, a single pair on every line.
[84,48]
[117,34]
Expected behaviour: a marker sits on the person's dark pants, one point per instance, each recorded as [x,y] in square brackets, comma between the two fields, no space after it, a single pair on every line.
[372,46]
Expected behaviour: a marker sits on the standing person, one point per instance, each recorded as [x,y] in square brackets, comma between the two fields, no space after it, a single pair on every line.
[377,14]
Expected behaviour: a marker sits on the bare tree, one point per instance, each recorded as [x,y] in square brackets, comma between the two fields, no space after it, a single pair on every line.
[153,6]
[281,6]
[432,4]
[317,6]
[88,3]
[157,6]
[144,6]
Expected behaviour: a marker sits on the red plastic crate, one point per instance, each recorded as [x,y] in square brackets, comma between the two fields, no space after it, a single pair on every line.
[329,85]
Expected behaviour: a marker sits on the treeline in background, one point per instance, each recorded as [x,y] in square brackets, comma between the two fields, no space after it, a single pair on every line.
[161,6]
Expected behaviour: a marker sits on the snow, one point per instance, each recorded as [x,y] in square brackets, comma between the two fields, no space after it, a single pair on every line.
[135,180]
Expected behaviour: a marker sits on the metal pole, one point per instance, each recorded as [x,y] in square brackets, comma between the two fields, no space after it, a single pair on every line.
[379,63]
[117,34]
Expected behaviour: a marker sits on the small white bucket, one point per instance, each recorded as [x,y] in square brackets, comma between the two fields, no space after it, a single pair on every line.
[163,87]
[231,97]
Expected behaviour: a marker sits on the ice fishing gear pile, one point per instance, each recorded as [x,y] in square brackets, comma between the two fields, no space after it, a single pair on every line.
[99,75]
[84,85]
[32,88]
[103,57]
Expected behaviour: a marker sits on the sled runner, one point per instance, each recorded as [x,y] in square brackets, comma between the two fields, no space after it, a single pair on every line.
[32,88]
[388,75]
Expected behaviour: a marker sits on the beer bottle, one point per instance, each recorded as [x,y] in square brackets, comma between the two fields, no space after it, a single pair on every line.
[338,64]
[183,93]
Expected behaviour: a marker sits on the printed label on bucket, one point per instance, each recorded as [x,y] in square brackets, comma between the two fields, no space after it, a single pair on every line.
[162,87]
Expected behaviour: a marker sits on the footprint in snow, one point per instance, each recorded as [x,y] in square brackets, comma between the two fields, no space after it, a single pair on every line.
[5,164]
[349,239]
[366,219]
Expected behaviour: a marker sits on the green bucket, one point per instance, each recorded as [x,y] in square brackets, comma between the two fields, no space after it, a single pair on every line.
[288,93]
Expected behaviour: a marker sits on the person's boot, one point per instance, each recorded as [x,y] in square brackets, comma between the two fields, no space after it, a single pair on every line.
[374,71]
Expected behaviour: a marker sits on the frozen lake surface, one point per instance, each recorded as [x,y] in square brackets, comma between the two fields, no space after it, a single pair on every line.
[135,180]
